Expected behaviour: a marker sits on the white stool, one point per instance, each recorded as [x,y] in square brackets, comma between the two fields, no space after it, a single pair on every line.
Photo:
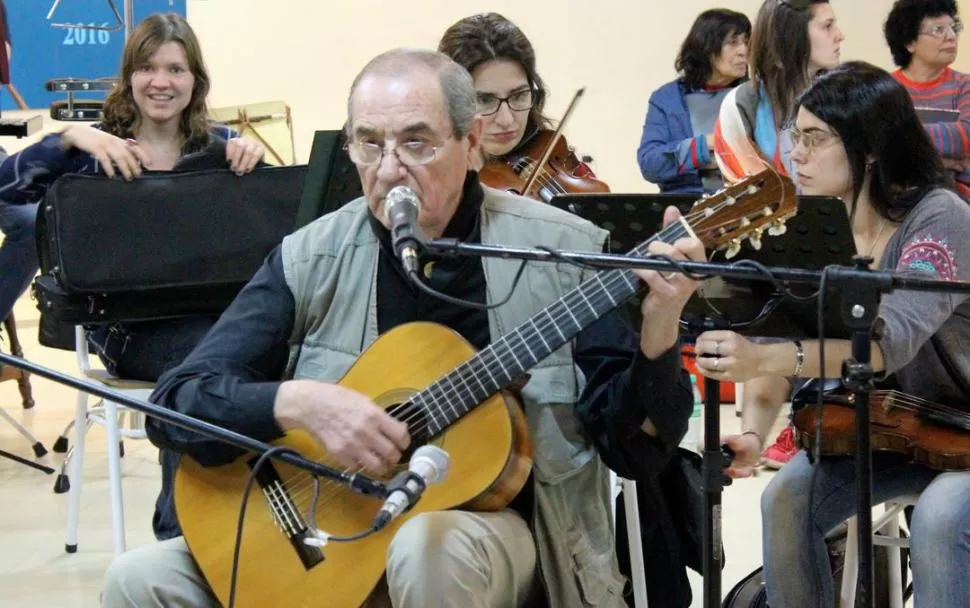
[889,522]
[632,509]
[109,414]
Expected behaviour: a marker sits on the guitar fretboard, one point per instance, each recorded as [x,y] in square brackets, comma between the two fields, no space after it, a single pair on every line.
[494,367]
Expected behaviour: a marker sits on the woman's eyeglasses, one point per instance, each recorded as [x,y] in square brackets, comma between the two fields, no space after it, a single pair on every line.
[940,31]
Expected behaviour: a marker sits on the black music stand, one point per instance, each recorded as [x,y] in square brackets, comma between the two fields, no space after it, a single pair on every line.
[818,235]
[332,179]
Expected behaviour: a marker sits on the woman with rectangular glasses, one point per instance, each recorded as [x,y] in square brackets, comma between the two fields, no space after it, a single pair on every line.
[923,36]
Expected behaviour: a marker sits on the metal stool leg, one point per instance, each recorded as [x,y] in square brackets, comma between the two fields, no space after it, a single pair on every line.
[77,470]
[114,476]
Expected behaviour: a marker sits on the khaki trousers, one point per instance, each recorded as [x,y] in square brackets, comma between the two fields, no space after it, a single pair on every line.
[440,559]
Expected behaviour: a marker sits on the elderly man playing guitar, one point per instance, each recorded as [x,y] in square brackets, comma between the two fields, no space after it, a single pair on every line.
[299,353]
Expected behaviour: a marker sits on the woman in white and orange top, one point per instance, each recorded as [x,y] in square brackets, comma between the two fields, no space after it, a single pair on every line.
[791,42]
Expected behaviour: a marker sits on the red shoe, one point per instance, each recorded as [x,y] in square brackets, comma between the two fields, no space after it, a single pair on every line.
[781,451]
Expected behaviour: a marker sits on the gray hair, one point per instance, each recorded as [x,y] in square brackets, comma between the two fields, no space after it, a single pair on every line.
[456,83]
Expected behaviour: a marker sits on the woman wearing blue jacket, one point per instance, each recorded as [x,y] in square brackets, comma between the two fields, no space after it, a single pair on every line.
[676,148]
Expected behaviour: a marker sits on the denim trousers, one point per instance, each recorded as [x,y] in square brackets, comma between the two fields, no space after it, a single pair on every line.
[18,254]
[796,563]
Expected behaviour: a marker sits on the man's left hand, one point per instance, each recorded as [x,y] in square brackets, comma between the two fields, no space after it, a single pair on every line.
[669,292]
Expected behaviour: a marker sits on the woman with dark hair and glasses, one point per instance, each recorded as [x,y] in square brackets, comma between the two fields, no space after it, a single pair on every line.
[923,36]
[677,146]
[511,94]
[859,138]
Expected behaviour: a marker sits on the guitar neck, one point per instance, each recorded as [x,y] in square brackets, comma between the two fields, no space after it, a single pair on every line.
[508,358]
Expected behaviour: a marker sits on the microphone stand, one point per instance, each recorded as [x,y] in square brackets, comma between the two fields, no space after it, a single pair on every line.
[357,482]
[861,290]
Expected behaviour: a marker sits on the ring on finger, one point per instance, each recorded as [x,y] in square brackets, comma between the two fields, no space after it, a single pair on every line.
[670,276]
[717,348]
[717,362]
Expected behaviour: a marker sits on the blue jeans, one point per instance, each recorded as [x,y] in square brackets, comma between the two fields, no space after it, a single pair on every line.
[797,571]
[18,254]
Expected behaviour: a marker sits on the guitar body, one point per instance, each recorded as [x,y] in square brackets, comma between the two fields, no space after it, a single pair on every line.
[490,460]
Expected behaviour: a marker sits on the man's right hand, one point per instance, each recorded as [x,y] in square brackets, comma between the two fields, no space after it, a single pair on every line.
[353,429]
[747,452]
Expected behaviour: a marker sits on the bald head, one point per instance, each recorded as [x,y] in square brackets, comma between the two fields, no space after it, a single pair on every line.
[456,83]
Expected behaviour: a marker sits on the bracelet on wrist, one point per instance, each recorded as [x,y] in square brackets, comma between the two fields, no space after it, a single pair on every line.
[757,435]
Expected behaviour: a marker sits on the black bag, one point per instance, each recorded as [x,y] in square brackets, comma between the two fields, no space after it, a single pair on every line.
[750,591]
[183,231]
[166,245]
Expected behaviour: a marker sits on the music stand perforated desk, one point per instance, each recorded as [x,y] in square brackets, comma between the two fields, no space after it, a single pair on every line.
[817,236]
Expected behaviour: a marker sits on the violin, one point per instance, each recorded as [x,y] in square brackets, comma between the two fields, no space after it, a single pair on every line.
[930,434]
[544,168]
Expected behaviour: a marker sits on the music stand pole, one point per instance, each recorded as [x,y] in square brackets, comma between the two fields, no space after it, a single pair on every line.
[860,306]
[715,458]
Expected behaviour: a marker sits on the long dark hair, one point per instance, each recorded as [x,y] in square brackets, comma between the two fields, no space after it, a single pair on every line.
[120,112]
[711,30]
[481,38]
[872,113]
[780,52]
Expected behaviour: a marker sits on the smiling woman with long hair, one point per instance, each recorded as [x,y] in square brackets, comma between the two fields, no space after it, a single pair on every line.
[847,134]
[155,116]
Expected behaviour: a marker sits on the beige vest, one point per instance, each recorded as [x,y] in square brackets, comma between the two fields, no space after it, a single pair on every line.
[331,268]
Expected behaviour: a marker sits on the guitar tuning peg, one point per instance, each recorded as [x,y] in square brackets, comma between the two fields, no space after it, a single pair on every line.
[733,249]
[755,240]
[777,229]
[745,222]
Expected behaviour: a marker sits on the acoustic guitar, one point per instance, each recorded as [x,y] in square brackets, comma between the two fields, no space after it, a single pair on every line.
[448,395]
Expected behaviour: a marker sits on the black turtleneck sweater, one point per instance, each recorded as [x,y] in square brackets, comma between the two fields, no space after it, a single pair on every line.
[231,378]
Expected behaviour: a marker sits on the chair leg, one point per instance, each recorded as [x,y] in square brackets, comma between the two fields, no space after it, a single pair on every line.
[77,470]
[23,383]
[850,567]
[895,563]
[114,476]
[637,566]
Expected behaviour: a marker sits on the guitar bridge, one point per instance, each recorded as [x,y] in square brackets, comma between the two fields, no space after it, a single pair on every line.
[286,514]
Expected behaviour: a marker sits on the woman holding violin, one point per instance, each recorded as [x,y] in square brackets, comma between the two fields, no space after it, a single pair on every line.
[511,97]
[857,137]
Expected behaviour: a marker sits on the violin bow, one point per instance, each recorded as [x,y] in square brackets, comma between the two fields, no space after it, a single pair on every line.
[552,142]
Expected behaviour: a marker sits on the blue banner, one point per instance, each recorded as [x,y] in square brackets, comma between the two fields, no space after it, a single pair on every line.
[41,52]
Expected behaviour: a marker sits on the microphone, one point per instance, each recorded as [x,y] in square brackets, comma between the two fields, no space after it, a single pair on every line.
[428,465]
[401,206]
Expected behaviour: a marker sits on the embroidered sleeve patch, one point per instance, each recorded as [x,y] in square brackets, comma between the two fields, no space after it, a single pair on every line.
[930,254]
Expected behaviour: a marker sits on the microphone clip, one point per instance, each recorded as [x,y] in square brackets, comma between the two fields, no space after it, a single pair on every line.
[400,483]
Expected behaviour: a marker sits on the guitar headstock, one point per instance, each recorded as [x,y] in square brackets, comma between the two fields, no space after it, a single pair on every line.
[745,210]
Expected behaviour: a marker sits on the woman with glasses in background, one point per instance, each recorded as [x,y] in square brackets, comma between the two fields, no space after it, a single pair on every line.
[511,99]
[677,146]
[858,137]
[923,36]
